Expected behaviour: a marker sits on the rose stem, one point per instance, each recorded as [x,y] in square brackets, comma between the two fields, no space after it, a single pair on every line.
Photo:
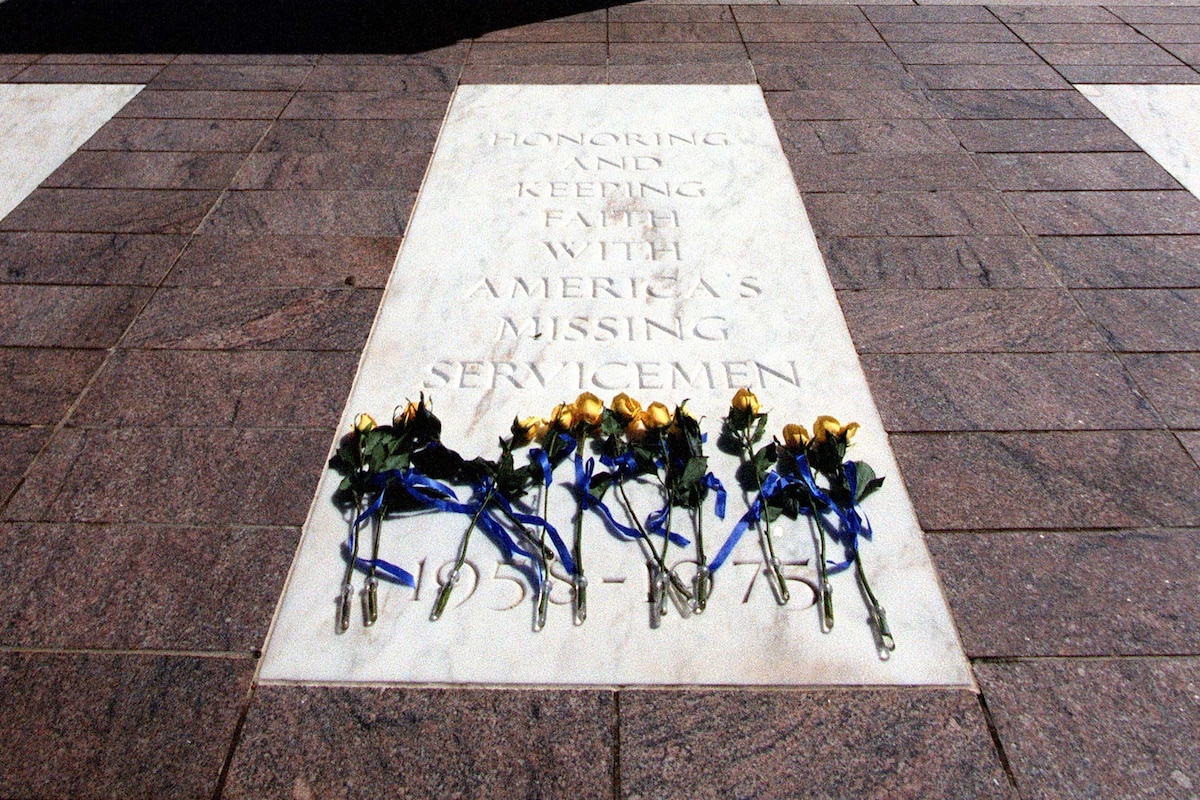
[776,572]
[451,579]
[678,584]
[347,589]
[877,611]
[372,581]
[826,589]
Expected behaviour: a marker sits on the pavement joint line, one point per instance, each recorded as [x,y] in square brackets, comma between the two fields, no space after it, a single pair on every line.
[234,655]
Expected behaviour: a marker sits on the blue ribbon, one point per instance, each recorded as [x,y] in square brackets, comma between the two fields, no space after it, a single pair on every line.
[711,482]
[656,523]
[773,484]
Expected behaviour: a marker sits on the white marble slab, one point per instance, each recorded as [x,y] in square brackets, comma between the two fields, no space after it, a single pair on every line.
[729,260]
[42,124]
[1163,120]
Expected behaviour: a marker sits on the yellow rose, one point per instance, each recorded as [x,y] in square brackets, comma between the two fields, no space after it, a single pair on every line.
[529,429]
[656,416]
[401,419]
[636,430]
[828,427]
[364,423]
[563,417]
[795,437]
[588,409]
[744,400]
[626,408]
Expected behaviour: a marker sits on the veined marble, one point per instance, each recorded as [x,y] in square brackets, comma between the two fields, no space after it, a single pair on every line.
[1163,120]
[646,239]
[42,124]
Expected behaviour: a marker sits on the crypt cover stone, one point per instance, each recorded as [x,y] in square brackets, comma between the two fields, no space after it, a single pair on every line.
[640,239]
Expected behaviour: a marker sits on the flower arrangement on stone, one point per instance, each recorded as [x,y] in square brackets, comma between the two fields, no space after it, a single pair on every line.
[392,470]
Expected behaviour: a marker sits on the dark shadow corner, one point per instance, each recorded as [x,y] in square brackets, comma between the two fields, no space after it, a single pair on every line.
[263,26]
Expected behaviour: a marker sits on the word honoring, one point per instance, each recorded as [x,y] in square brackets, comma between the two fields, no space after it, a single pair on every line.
[611,139]
[611,376]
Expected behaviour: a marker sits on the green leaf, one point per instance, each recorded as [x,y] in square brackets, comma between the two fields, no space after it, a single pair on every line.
[609,424]
[759,429]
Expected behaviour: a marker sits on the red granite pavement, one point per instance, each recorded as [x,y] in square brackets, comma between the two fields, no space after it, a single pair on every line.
[183,302]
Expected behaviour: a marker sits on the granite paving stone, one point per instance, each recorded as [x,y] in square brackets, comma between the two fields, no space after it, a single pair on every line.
[19,446]
[872,743]
[173,476]
[1077,33]
[24,59]
[134,170]
[716,73]
[792,13]
[1147,54]
[86,258]
[945,262]
[820,53]
[976,53]
[906,173]
[645,12]
[111,211]
[187,135]
[1101,213]
[418,80]
[299,261]
[255,318]
[548,32]
[674,53]
[672,32]
[1128,592]
[968,14]
[334,171]
[1124,262]
[1006,392]
[808,32]
[210,105]
[88,73]
[352,213]
[1075,171]
[537,73]
[9,71]
[887,136]
[294,136]
[252,77]
[411,743]
[1171,381]
[1051,14]
[366,105]
[1049,480]
[107,58]
[1042,136]
[968,321]
[945,32]
[39,385]
[1163,15]
[804,104]
[106,725]
[217,595]
[910,214]
[970,76]
[67,316]
[1191,442]
[248,59]
[1188,53]
[1103,728]
[1146,320]
[1006,104]
[538,53]
[256,389]
[879,76]
[1171,34]
[1129,74]
[453,54]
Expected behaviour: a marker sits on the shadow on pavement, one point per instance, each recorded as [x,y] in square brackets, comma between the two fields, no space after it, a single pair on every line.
[262,26]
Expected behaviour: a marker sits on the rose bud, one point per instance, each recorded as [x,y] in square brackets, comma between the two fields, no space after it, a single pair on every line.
[563,417]
[795,437]
[744,400]
[626,408]
[588,409]
[656,416]
[364,423]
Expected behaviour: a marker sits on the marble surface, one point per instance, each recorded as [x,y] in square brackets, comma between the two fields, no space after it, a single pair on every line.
[42,124]
[707,237]
[1163,120]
